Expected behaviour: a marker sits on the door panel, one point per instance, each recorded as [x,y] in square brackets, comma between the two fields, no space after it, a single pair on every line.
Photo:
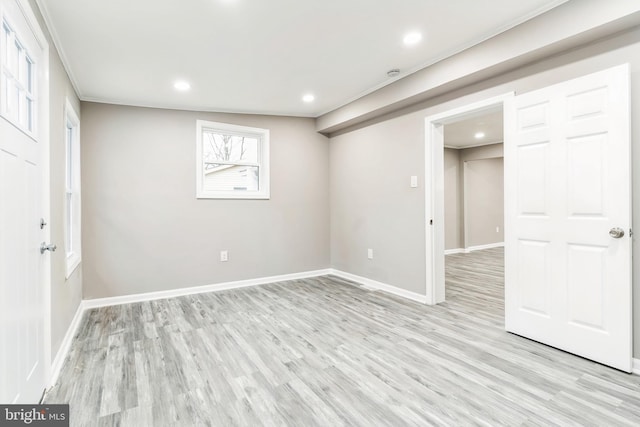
[533,268]
[22,306]
[567,183]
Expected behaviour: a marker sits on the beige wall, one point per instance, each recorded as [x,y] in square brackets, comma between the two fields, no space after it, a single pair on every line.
[473,196]
[143,228]
[66,294]
[379,209]
[373,206]
[483,201]
[453,220]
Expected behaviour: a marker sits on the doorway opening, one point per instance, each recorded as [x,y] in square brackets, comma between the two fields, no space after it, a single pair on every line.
[474,214]
[470,164]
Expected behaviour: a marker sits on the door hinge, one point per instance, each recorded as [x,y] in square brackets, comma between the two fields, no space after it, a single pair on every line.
[631,232]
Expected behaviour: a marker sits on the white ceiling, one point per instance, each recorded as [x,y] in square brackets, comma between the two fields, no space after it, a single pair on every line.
[461,134]
[261,56]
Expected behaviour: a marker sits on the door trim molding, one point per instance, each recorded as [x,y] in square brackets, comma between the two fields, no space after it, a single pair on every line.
[434,190]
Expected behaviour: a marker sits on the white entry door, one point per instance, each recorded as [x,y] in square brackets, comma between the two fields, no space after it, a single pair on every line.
[568,217]
[23,126]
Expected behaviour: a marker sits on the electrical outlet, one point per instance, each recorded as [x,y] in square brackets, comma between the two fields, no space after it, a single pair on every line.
[224,256]
[370,253]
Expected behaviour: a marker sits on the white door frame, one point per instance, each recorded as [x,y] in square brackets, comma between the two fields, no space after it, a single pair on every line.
[434,190]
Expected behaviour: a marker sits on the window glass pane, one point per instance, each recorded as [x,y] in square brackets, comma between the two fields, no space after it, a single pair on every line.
[29,114]
[69,226]
[26,74]
[22,107]
[5,42]
[17,69]
[219,149]
[5,99]
[69,158]
[13,100]
[15,59]
[230,178]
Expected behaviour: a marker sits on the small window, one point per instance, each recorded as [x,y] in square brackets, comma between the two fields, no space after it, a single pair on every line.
[72,237]
[233,161]
[16,80]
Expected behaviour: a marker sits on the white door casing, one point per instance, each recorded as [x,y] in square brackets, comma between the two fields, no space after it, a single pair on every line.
[24,272]
[434,189]
[567,184]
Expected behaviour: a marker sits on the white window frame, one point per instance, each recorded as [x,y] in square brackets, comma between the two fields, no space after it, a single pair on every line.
[72,195]
[262,135]
[17,112]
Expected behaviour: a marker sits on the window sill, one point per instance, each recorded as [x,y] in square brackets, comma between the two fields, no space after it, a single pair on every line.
[239,196]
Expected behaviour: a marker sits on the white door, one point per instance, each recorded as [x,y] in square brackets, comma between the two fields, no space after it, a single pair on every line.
[22,129]
[567,186]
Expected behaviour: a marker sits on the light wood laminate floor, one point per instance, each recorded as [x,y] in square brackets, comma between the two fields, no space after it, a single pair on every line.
[323,352]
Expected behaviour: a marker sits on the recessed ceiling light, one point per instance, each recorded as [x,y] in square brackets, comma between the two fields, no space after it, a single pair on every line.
[308,98]
[479,135]
[393,73]
[182,85]
[412,38]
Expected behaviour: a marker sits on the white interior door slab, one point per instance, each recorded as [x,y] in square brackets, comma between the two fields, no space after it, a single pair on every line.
[568,217]
[22,127]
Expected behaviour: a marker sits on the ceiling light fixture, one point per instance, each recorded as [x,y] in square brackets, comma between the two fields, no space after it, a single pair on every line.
[393,73]
[479,135]
[182,86]
[308,98]
[412,38]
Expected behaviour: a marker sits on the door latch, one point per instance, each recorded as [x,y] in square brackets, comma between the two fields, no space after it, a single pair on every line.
[44,247]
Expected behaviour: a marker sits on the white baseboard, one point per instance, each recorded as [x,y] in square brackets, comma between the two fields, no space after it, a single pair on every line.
[61,355]
[454,251]
[635,369]
[489,246]
[150,296]
[373,284]
[473,248]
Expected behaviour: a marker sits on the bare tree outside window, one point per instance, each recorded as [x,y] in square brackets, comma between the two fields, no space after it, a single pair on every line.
[231,160]
[221,149]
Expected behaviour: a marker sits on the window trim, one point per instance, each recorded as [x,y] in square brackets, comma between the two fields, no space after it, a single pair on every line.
[72,191]
[263,161]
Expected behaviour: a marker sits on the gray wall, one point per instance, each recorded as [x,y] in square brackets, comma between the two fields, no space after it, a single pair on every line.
[483,201]
[373,206]
[66,294]
[473,205]
[143,228]
[381,210]
[453,218]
